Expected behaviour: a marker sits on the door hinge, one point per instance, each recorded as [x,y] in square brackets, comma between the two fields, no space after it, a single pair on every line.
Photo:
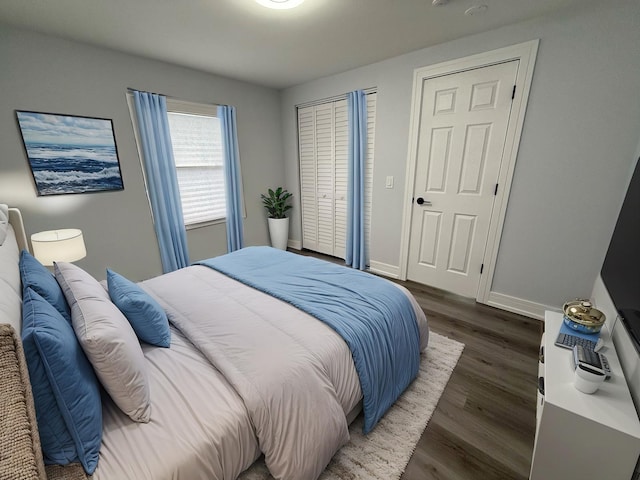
[481,268]
[513,94]
[495,191]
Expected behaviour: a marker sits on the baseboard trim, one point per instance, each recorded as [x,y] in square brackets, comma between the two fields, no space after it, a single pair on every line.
[295,244]
[518,305]
[380,268]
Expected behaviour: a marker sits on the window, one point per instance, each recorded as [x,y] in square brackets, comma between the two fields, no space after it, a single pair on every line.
[196,136]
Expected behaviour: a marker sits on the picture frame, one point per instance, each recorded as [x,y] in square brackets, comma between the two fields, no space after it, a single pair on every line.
[70,154]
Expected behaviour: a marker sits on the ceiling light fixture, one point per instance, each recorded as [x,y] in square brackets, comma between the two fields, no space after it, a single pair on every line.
[280,4]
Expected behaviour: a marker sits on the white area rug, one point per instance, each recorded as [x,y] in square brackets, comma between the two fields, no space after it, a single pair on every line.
[385,452]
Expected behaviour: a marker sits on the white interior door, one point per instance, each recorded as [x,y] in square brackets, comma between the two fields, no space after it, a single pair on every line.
[463,125]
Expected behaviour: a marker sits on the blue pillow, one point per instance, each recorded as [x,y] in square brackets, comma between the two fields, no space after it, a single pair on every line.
[42,281]
[145,315]
[66,391]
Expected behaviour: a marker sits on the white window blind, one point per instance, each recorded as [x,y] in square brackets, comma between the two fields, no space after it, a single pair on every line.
[323,141]
[198,155]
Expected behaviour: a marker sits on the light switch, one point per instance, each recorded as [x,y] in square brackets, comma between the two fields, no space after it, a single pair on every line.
[389,183]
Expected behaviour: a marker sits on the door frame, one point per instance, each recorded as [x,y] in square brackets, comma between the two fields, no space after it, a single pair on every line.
[524,52]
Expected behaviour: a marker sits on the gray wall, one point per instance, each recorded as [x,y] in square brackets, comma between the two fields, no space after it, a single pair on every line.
[47,74]
[580,133]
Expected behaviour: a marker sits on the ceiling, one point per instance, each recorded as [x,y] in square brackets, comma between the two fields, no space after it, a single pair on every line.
[275,48]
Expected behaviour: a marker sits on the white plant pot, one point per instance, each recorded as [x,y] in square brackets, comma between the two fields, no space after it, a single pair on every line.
[279,232]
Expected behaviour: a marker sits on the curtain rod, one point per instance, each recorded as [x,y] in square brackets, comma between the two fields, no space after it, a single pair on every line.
[131,90]
[335,98]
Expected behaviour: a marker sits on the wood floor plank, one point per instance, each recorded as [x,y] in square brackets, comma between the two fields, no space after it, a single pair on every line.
[495,438]
[442,455]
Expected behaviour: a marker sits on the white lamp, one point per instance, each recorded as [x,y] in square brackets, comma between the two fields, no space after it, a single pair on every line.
[65,245]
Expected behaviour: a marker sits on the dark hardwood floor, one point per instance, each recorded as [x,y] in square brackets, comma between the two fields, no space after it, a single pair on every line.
[484,425]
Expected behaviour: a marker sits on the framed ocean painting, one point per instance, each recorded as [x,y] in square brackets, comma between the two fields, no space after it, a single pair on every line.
[70,154]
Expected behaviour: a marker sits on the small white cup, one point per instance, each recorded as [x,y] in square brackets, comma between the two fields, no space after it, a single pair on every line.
[586,381]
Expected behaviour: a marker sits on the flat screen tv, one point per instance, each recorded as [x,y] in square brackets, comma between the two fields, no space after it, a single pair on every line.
[621,268]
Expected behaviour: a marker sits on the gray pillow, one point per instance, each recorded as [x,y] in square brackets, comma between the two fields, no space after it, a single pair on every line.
[108,341]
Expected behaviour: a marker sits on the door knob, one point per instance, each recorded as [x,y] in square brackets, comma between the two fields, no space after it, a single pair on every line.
[422,201]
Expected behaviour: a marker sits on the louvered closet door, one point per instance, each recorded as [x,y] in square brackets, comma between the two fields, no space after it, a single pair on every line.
[324,177]
[323,136]
[307,152]
[341,122]
[317,146]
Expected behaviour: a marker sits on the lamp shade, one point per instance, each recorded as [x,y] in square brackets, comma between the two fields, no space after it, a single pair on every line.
[65,245]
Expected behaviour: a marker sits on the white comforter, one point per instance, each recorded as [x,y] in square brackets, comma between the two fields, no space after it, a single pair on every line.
[294,376]
[199,428]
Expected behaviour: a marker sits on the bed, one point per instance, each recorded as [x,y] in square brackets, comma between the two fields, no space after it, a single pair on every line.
[246,374]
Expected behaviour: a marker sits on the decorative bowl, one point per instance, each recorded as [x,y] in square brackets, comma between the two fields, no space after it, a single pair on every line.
[581,316]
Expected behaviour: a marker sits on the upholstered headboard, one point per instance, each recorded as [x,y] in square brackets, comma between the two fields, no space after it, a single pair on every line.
[15,220]
[10,284]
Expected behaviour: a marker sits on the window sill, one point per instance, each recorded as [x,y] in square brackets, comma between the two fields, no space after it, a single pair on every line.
[210,223]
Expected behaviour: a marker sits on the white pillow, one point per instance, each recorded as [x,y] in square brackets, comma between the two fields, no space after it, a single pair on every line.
[108,341]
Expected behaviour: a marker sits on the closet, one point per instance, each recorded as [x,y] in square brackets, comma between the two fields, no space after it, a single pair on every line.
[323,143]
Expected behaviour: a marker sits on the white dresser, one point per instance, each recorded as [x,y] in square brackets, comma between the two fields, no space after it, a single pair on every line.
[580,436]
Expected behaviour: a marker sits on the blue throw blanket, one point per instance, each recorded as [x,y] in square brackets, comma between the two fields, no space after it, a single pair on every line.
[374,317]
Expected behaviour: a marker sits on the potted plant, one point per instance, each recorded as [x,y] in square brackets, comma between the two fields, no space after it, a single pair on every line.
[277,206]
